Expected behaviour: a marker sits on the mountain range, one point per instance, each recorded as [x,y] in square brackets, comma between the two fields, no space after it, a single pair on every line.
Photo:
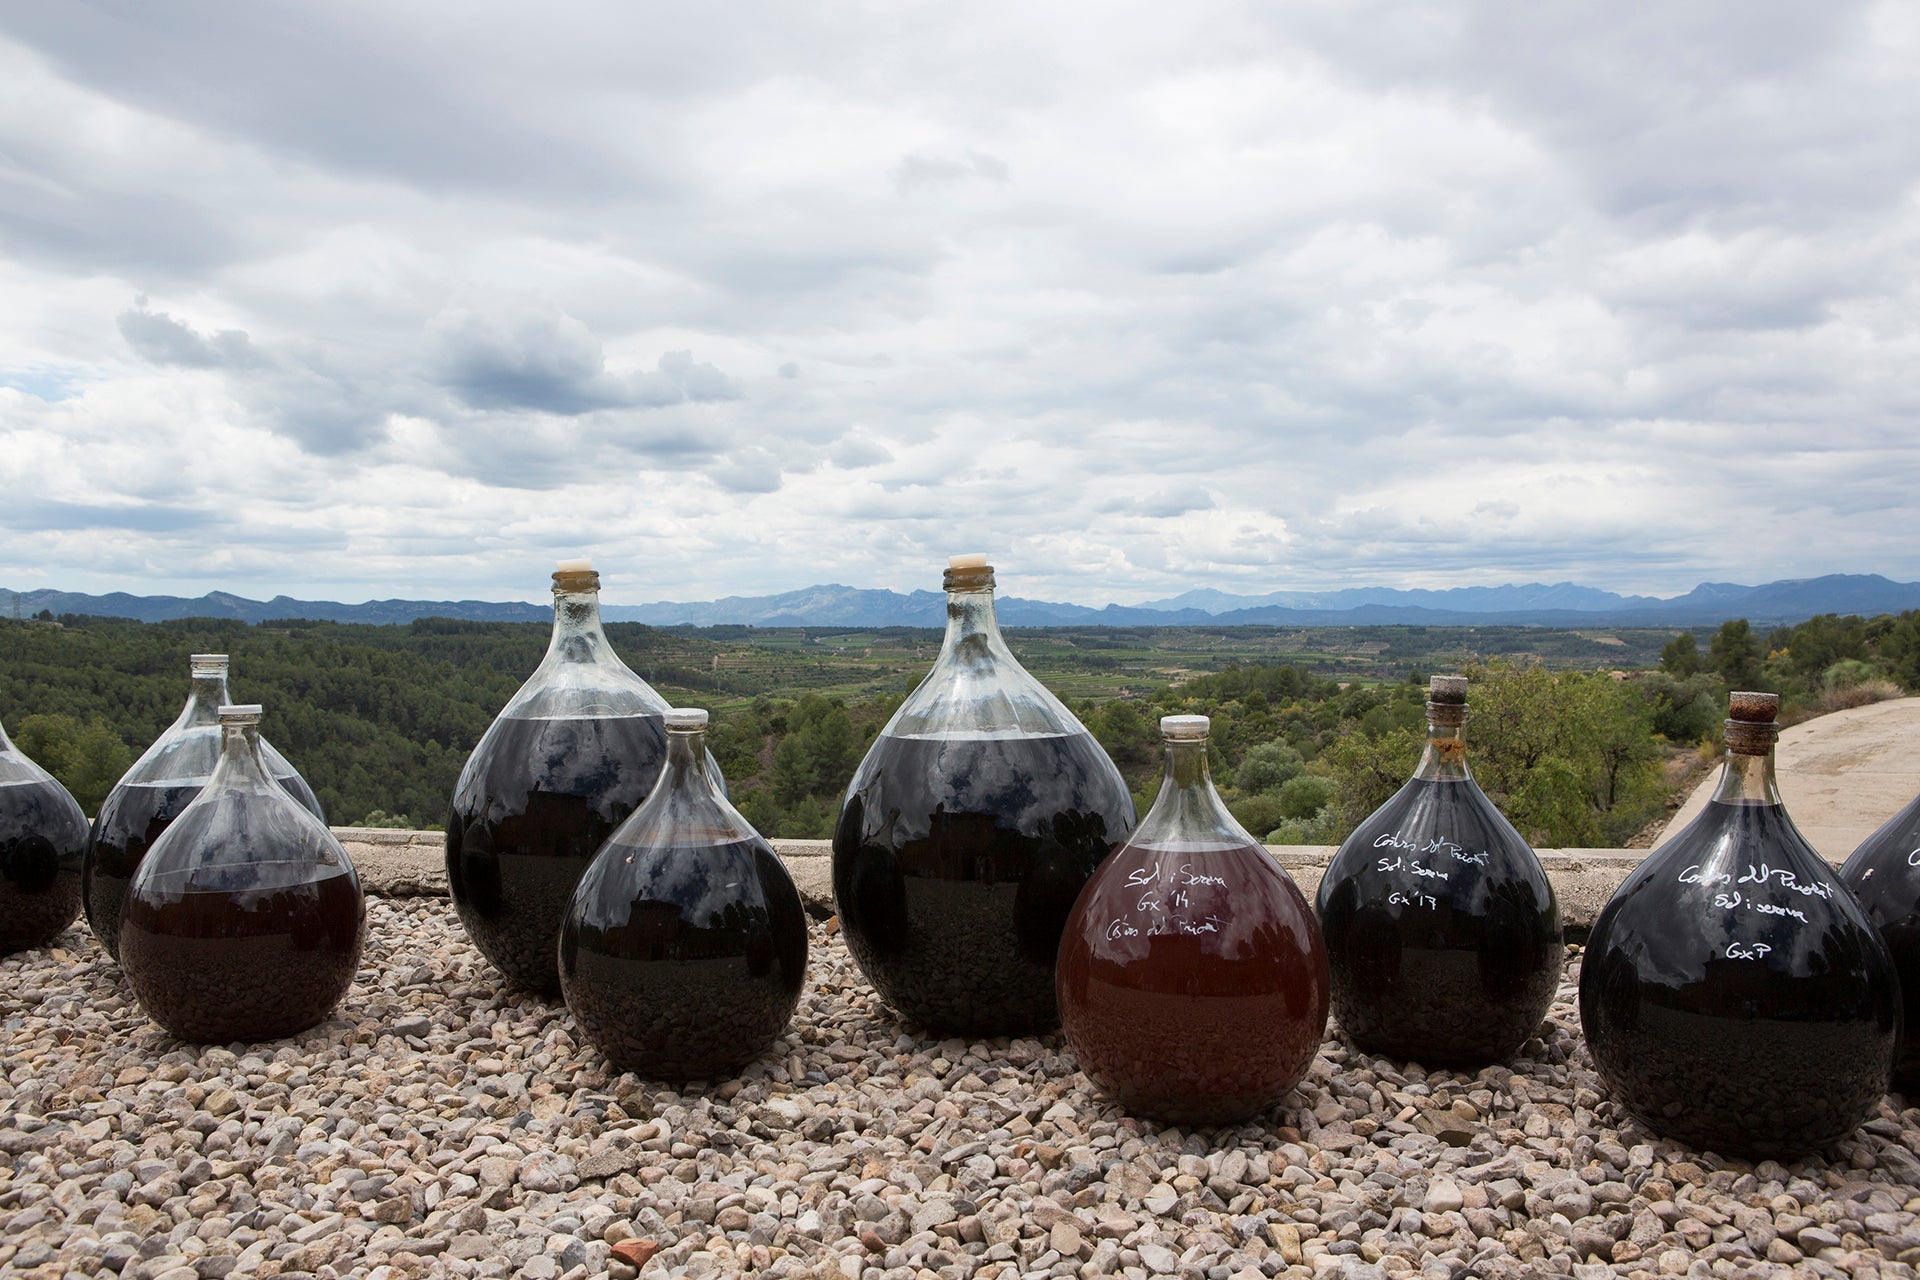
[1560,604]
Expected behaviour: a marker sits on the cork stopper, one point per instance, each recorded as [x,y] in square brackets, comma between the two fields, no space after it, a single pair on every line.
[240,715]
[207,664]
[969,572]
[1185,728]
[575,575]
[1751,726]
[686,719]
[1447,701]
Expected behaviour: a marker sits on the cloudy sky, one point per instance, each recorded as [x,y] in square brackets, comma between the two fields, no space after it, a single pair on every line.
[362,300]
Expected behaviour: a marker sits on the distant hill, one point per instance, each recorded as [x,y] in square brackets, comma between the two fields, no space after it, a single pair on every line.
[1562,604]
[220,604]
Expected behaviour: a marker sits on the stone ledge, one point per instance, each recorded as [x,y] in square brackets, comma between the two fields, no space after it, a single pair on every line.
[403,863]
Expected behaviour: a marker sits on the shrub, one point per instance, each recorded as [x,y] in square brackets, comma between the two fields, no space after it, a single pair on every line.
[1306,795]
[1268,767]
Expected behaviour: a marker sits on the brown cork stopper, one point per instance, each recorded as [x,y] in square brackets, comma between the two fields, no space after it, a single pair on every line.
[1751,727]
[575,576]
[968,573]
[1447,701]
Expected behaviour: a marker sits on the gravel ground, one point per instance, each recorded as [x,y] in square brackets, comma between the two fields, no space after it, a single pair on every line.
[442,1127]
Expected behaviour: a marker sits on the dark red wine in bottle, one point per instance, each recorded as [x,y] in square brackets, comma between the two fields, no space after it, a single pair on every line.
[1734,995]
[158,788]
[685,943]
[569,758]
[1192,980]
[245,920]
[1442,929]
[968,831]
[1884,875]
[43,840]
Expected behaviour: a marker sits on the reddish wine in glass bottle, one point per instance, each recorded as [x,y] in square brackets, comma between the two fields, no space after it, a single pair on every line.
[1192,978]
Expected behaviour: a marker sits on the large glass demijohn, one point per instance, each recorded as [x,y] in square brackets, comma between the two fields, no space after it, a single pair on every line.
[685,946]
[969,829]
[159,786]
[43,841]
[245,919]
[570,756]
[1442,929]
[1884,874]
[1734,995]
[1192,979]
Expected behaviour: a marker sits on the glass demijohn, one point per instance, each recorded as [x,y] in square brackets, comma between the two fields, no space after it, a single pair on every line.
[969,829]
[245,919]
[685,945]
[570,756]
[1442,928]
[161,783]
[43,840]
[1192,978]
[1884,875]
[1734,995]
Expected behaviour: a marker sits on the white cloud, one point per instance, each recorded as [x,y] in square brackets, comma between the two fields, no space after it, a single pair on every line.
[1148,299]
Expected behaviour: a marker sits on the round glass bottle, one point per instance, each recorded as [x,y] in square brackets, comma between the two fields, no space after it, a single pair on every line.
[159,786]
[1192,978]
[245,919]
[1733,994]
[1442,928]
[572,754]
[969,829]
[43,842]
[1884,875]
[685,944]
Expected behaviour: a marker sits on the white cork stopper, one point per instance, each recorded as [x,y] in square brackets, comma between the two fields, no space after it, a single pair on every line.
[1184,728]
[207,661]
[574,566]
[242,713]
[686,718]
[972,560]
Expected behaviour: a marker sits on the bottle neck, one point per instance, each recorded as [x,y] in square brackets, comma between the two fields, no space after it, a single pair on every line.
[1747,778]
[577,632]
[687,758]
[1445,756]
[972,627]
[1188,810]
[241,765]
[206,694]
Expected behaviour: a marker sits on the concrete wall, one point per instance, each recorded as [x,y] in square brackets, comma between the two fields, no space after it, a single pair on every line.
[398,863]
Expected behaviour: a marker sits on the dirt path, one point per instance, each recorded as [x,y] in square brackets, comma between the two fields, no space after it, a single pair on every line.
[1841,776]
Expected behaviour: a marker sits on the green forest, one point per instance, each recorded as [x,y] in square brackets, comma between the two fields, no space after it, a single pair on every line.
[1576,734]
